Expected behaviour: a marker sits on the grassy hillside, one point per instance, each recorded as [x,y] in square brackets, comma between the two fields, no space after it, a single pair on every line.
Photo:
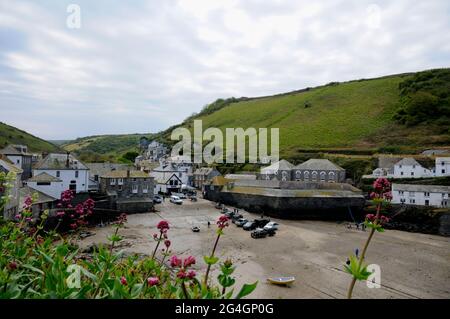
[104,147]
[12,135]
[356,115]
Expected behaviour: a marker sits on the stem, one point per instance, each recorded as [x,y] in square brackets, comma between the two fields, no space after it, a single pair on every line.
[183,287]
[363,253]
[209,265]
[157,245]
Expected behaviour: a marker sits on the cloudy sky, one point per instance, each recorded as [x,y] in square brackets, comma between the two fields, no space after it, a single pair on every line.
[141,66]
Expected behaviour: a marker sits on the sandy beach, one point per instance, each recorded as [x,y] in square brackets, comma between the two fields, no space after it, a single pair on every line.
[412,265]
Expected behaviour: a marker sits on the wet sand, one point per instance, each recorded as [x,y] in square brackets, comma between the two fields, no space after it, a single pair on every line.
[412,265]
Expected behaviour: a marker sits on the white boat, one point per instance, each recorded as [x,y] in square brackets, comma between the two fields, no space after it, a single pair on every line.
[281,280]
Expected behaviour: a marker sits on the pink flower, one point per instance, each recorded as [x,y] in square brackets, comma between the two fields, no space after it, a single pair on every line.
[12,265]
[163,225]
[74,226]
[60,214]
[189,261]
[18,216]
[79,209]
[181,274]
[123,281]
[28,201]
[381,184]
[222,222]
[153,281]
[191,274]
[167,243]
[155,236]
[175,261]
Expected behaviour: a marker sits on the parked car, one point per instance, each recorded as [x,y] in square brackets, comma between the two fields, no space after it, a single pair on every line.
[180,195]
[250,225]
[261,222]
[271,226]
[262,233]
[157,199]
[176,200]
[241,222]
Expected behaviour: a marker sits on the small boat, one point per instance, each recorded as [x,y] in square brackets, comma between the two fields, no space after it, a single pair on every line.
[281,280]
[195,229]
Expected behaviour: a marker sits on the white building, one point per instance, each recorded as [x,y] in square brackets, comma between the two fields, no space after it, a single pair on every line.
[410,168]
[47,184]
[424,195]
[442,166]
[169,178]
[73,173]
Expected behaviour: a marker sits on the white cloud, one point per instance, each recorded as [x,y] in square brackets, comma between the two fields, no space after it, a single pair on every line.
[144,67]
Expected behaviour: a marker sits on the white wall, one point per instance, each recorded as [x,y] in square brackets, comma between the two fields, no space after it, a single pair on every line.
[435,199]
[54,189]
[16,159]
[67,176]
[442,166]
[419,171]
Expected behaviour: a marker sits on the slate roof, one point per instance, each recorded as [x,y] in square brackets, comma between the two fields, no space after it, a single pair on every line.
[407,161]
[104,168]
[319,164]
[124,174]
[11,150]
[280,165]
[44,177]
[9,166]
[58,161]
[241,176]
[26,191]
[203,171]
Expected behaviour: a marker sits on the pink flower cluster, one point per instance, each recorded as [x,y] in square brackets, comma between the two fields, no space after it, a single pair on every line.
[153,281]
[381,185]
[183,265]
[163,226]
[381,220]
[222,222]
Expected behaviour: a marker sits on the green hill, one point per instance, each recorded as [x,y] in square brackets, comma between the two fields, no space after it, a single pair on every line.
[104,147]
[11,135]
[357,116]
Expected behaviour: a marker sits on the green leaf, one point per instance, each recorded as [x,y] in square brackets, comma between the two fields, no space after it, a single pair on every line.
[210,260]
[246,290]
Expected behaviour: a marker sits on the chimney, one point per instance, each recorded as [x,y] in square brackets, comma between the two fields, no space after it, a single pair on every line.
[67,160]
[128,173]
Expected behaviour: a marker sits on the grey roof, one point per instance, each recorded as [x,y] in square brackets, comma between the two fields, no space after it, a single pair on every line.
[9,166]
[408,161]
[203,171]
[280,165]
[58,161]
[104,168]
[241,176]
[11,150]
[26,191]
[44,177]
[319,164]
[421,188]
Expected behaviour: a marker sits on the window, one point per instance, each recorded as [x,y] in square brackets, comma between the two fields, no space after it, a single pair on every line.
[401,192]
[58,174]
[400,166]
[322,176]
[412,173]
[314,176]
[306,174]
[76,174]
[427,202]
[402,200]
[412,201]
[145,189]
[427,194]
[43,183]
[298,174]
[443,171]
[18,161]
[414,166]
[120,181]
[112,181]
[120,188]
[401,173]
[134,189]
[96,178]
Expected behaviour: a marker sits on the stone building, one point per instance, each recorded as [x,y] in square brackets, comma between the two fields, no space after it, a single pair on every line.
[423,195]
[11,207]
[280,170]
[318,170]
[129,191]
[203,176]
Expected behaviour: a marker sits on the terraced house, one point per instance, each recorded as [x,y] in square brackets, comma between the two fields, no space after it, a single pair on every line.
[130,191]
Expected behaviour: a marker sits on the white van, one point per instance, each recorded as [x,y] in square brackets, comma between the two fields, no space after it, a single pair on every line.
[176,200]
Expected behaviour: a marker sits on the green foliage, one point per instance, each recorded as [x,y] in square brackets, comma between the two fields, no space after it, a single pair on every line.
[130,156]
[425,98]
[12,135]
[357,269]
